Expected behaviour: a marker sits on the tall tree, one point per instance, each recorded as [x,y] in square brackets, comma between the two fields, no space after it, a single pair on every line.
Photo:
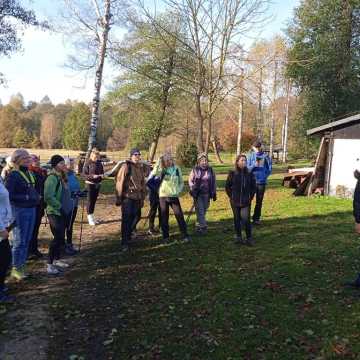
[325,59]
[154,62]
[89,24]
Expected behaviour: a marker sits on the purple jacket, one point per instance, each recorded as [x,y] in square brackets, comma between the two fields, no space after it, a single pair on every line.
[203,181]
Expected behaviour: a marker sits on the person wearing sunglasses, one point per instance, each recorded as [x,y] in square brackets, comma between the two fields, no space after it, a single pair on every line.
[130,195]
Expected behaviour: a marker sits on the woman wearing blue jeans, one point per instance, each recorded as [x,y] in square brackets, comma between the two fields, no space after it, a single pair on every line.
[23,199]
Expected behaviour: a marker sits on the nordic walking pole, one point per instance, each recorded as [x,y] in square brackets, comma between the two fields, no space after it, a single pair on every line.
[191,211]
[82,219]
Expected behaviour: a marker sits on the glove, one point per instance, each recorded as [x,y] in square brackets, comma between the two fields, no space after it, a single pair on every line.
[214,197]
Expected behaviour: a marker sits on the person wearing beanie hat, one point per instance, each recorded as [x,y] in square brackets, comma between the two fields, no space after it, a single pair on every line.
[40,177]
[93,173]
[261,165]
[202,183]
[21,185]
[58,208]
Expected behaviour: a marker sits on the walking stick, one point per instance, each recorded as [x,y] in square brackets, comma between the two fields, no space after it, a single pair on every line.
[191,211]
[82,219]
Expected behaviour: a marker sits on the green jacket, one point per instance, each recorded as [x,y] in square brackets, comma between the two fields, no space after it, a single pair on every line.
[172,183]
[52,193]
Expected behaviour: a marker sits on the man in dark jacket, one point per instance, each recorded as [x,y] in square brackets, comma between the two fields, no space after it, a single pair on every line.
[240,187]
[260,164]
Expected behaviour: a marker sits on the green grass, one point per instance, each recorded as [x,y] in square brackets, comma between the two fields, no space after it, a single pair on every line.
[211,299]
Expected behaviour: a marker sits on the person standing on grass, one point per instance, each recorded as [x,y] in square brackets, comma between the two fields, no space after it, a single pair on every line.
[40,177]
[93,173]
[130,191]
[240,188]
[153,185]
[6,219]
[24,200]
[171,186]
[356,213]
[74,187]
[202,183]
[261,165]
[59,206]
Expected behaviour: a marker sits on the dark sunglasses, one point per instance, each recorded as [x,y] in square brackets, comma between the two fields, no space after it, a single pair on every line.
[137,154]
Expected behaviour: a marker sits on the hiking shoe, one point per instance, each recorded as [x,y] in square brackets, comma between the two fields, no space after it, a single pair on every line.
[17,274]
[250,242]
[166,240]
[60,264]
[125,248]
[52,270]
[6,299]
[91,220]
[151,232]
[69,250]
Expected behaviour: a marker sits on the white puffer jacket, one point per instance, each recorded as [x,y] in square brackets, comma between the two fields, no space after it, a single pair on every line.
[5,209]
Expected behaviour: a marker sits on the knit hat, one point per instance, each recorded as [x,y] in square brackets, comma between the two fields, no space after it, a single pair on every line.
[134,151]
[202,155]
[55,159]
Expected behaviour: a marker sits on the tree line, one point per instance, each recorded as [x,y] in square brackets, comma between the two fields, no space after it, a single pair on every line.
[185,75]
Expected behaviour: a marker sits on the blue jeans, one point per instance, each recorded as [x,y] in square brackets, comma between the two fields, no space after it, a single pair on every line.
[25,222]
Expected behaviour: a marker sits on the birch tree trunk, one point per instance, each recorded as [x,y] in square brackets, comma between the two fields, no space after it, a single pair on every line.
[286,124]
[260,112]
[95,106]
[272,126]
[241,114]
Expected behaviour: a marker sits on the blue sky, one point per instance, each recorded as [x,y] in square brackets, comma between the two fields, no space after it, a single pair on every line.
[39,69]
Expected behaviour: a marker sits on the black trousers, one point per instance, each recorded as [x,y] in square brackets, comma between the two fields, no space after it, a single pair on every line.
[57,226]
[70,225]
[242,217]
[5,260]
[93,193]
[33,246]
[154,208]
[130,210]
[165,203]
[260,192]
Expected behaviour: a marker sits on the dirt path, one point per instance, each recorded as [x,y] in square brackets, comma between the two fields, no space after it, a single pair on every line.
[27,326]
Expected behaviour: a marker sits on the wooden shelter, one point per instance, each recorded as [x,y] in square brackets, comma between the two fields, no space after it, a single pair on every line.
[338,157]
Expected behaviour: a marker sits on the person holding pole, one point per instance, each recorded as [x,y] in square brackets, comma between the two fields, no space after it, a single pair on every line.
[241,187]
[260,164]
[202,183]
[170,188]
[59,206]
[74,187]
[130,195]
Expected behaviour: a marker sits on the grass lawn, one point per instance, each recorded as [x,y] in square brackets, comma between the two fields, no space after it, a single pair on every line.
[213,300]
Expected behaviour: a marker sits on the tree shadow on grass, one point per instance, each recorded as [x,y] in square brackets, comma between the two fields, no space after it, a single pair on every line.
[180,299]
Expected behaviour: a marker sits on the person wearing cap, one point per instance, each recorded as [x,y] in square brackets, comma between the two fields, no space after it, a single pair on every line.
[74,186]
[40,177]
[24,199]
[93,172]
[260,164]
[58,208]
[171,186]
[202,183]
[130,192]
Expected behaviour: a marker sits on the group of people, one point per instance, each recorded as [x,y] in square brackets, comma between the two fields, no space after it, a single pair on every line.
[164,183]
[27,192]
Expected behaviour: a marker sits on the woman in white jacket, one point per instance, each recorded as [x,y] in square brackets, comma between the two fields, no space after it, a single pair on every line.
[5,251]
